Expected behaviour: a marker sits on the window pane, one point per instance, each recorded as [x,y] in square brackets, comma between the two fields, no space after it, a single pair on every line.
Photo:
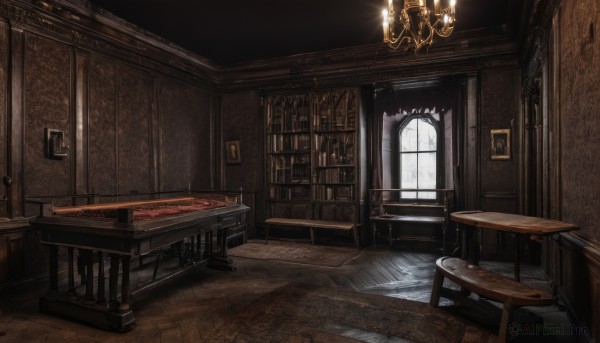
[409,170]
[408,195]
[409,136]
[427,136]
[427,170]
[426,195]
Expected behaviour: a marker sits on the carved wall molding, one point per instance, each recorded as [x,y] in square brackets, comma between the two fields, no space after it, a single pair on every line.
[75,25]
[362,72]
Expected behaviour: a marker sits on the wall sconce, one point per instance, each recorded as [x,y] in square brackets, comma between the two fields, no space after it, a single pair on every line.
[54,144]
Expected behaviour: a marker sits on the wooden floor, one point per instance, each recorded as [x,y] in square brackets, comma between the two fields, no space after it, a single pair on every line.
[217,294]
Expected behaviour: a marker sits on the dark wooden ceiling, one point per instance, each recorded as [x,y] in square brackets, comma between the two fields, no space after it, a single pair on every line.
[233,31]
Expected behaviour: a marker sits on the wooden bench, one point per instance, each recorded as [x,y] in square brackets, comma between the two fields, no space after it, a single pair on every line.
[511,293]
[390,209]
[313,224]
[390,219]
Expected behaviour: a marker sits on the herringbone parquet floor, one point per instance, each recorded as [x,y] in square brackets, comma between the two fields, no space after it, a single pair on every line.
[190,308]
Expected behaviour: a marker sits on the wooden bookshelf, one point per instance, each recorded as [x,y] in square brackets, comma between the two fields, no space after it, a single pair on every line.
[314,141]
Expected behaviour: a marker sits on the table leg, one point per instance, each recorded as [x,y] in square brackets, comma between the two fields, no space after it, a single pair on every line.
[125,260]
[113,280]
[100,298]
[224,243]
[374,228]
[208,243]
[464,248]
[71,270]
[89,270]
[517,264]
[267,233]
[478,248]
[199,245]
[53,269]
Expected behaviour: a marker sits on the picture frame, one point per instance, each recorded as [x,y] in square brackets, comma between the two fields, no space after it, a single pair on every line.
[500,144]
[232,152]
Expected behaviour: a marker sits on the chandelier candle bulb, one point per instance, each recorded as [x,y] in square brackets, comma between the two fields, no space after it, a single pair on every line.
[384,14]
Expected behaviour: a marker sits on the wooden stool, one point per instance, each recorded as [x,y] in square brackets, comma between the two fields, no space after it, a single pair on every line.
[491,285]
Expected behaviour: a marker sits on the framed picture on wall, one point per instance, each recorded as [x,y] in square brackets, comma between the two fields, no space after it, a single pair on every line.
[500,144]
[232,152]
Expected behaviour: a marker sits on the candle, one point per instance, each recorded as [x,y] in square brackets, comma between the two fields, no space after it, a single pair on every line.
[384,14]
[452,4]
[436,6]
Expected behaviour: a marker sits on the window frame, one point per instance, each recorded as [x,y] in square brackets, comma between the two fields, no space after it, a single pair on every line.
[437,125]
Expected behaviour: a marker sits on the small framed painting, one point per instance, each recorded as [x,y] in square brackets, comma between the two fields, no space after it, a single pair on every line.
[232,151]
[500,144]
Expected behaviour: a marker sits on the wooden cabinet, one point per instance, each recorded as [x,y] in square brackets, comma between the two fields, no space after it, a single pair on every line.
[313,153]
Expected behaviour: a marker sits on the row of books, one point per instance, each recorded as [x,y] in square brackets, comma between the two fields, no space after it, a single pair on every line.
[329,192]
[289,143]
[289,193]
[293,123]
[335,175]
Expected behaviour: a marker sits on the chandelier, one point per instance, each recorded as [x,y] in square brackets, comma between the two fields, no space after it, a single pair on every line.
[412,24]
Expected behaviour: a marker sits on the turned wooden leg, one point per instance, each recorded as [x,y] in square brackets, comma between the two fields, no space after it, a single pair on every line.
[125,261]
[199,244]
[208,243]
[436,290]
[506,314]
[224,244]
[374,227]
[71,270]
[517,263]
[100,297]
[267,233]
[53,269]
[113,280]
[89,270]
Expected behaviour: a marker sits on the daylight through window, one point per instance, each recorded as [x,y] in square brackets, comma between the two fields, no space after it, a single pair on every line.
[418,158]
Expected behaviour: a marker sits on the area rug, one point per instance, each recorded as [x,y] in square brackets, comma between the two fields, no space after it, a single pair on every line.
[294,252]
[304,313]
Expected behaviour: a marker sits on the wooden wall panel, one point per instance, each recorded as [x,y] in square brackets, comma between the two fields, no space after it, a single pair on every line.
[47,104]
[102,130]
[4,259]
[242,120]
[4,77]
[202,140]
[21,255]
[104,95]
[133,131]
[579,74]
[184,118]
[498,111]
[579,281]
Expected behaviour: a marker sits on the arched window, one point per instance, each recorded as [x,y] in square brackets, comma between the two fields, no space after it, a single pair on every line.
[418,158]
